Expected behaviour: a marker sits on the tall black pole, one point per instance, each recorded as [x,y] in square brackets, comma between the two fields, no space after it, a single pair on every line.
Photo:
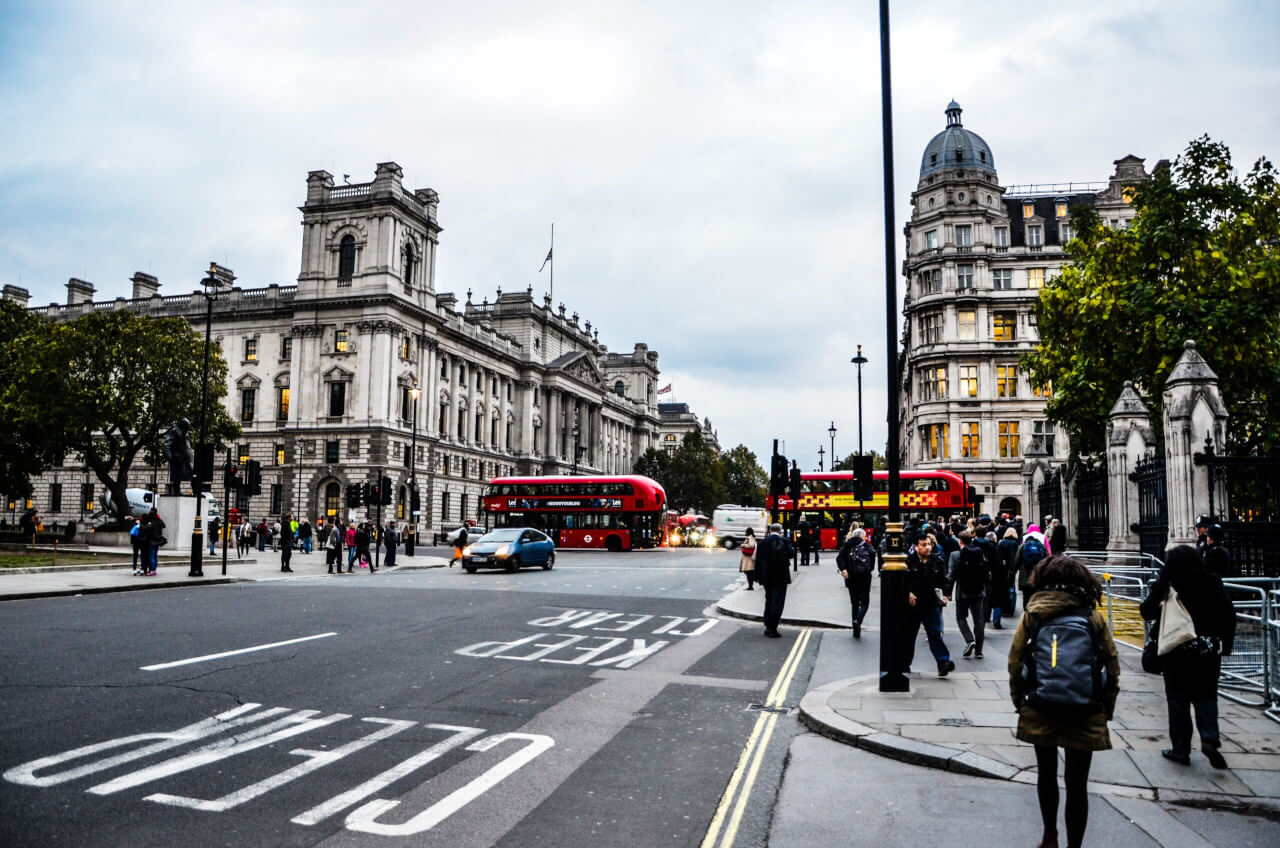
[859,361]
[413,471]
[197,529]
[893,583]
[226,509]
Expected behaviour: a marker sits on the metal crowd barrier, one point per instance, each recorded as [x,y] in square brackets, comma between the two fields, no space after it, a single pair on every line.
[1249,669]
[1273,634]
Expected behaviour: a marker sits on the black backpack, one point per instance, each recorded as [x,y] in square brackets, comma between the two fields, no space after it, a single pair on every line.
[842,557]
[972,573]
[1032,552]
[863,559]
[1062,666]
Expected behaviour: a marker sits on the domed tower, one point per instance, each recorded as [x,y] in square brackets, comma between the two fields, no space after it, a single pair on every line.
[965,406]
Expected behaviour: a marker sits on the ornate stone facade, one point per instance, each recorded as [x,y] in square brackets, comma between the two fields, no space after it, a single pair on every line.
[323,374]
[977,255]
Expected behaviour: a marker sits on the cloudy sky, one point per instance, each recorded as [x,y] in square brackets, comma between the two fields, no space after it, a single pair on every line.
[713,168]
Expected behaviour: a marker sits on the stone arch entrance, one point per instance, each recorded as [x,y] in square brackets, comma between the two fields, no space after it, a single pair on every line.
[1013,506]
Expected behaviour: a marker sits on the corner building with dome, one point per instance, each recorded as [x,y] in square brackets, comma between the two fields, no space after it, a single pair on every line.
[977,255]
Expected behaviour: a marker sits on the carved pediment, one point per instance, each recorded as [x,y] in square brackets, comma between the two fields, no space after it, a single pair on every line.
[338,374]
[248,381]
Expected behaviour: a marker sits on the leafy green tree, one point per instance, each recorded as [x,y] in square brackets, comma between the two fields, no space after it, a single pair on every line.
[108,385]
[1199,261]
[878,462]
[696,475]
[24,452]
[744,480]
[655,464]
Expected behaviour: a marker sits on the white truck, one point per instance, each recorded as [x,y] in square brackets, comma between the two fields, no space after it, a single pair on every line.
[731,522]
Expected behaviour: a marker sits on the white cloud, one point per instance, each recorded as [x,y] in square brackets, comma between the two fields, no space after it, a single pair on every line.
[713,169]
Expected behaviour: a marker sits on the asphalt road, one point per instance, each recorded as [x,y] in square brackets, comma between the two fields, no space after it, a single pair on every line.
[600,703]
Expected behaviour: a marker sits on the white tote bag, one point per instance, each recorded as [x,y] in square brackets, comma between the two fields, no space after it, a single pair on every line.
[1176,627]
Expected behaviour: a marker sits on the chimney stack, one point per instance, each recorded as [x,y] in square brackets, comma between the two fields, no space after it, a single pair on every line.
[144,285]
[79,291]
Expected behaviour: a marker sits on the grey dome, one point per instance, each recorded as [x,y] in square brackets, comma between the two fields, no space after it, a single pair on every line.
[956,147]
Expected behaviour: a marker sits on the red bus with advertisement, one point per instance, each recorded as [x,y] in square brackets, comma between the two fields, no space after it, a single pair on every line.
[615,513]
[827,500]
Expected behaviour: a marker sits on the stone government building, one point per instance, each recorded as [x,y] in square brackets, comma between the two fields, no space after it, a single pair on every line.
[321,373]
[977,255]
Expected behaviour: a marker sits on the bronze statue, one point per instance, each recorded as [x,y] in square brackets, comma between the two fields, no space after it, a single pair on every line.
[182,459]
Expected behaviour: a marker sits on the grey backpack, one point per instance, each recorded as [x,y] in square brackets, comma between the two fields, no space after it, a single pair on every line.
[1062,669]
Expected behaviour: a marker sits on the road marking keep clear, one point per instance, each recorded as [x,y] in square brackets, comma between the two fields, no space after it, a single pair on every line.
[251,733]
[580,648]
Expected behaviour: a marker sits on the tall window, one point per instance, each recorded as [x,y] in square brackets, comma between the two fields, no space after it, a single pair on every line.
[462,374]
[1035,235]
[934,386]
[462,425]
[1002,279]
[1008,431]
[479,427]
[1006,381]
[1002,236]
[931,281]
[405,348]
[55,497]
[964,235]
[331,451]
[332,500]
[967,324]
[86,497]
[243,453]
[443,423]
[1060,208]
[1002,326]
[286,347]
[931,327]
[964,276]
[277,499]
[1028,209]
[444,506]
[346,259]
[1065,233]
[1045,391]
[337,400]
[247,398]
[444,367]
[406,404]
[931,240]
[462,505]
[969,439]
[1043,430]
[282,403]
[408,264]
[250,350]
[279,454]
[1035,278]
[968,381]
[493,433]
[935,441]
[340,341]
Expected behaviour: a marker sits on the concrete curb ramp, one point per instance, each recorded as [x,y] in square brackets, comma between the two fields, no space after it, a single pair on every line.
[817,714]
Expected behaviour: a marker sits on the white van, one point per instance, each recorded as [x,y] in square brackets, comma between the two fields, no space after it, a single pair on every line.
[731,522]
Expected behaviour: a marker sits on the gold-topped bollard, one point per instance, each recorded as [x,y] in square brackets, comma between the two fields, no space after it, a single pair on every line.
[893,612]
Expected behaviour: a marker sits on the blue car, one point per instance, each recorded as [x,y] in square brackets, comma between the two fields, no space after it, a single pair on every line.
[511,548]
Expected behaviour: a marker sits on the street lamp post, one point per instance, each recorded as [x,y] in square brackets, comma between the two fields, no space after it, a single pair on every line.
[821,452]
[415,392]
[831,431]
[859,361]
[211,284]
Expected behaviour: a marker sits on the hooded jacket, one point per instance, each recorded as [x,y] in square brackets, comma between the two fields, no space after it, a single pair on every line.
[1083,733]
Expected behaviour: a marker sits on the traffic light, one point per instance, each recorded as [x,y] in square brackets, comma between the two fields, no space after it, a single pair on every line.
[864,487]
[794,489]
[253,477]
[385,490]
[778,475]
[353,494]
[366,494]
[204,466]
[231,476]
[415,501]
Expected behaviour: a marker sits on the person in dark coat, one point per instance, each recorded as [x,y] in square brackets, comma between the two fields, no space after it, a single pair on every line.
[1202,533]
[286,543]
[153,537]
[926,577]
[860,557]
[773,556]
[1191,670]
[1216,557]
[390,540]
[1003,596]
[1062,585]
[1057,537]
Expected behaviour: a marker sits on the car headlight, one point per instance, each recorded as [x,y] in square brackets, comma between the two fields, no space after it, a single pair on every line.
[502,551]
[466,551]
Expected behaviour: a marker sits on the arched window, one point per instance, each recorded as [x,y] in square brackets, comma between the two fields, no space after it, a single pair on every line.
[619,388]
[332,499]
[346,258]
[408,265]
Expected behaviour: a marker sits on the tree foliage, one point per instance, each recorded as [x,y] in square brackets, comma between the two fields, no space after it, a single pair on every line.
[699,477]
[107,386]
[24,451]
[1199,261]
[744,480]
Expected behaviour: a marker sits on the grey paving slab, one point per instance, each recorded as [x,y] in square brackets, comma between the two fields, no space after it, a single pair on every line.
[1197,777]
[1260,782]
[989,719]
[947,735]
[1115,766]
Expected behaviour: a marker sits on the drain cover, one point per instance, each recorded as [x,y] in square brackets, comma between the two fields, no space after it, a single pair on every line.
[761,708]
[955,722]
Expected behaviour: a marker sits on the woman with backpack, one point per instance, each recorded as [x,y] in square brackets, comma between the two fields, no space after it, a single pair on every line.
[747,560]
[1064,676]
[1033,550]
[1191,670]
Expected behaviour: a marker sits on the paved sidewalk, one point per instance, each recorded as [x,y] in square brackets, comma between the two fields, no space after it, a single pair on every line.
[19,584]
[816,598]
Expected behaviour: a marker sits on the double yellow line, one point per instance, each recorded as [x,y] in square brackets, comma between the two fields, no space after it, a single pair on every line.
[724,827]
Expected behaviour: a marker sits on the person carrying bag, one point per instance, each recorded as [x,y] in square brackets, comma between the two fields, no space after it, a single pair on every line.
[747,561]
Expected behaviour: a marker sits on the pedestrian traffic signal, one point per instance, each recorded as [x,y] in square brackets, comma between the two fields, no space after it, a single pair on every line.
[253,477]
[385,490]
[778,475]
[794,489]
[204,466]
[366,494]
[415,501]
[864,488]
[353,494]
[231,477]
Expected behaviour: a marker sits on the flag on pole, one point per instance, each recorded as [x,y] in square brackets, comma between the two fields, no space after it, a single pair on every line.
[664,389]
[545,261]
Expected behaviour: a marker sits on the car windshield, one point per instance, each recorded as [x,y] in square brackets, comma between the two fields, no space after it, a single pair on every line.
[508,535]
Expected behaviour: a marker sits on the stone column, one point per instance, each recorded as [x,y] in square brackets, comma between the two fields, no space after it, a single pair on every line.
[524,397]
[1193,412]
[552,422]
[430,401]
[1129,439]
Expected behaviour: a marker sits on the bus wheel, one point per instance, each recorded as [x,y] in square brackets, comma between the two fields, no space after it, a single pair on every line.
[613,544]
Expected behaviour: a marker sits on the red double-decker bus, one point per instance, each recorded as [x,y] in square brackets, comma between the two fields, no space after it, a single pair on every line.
[614,513]
[827,500]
